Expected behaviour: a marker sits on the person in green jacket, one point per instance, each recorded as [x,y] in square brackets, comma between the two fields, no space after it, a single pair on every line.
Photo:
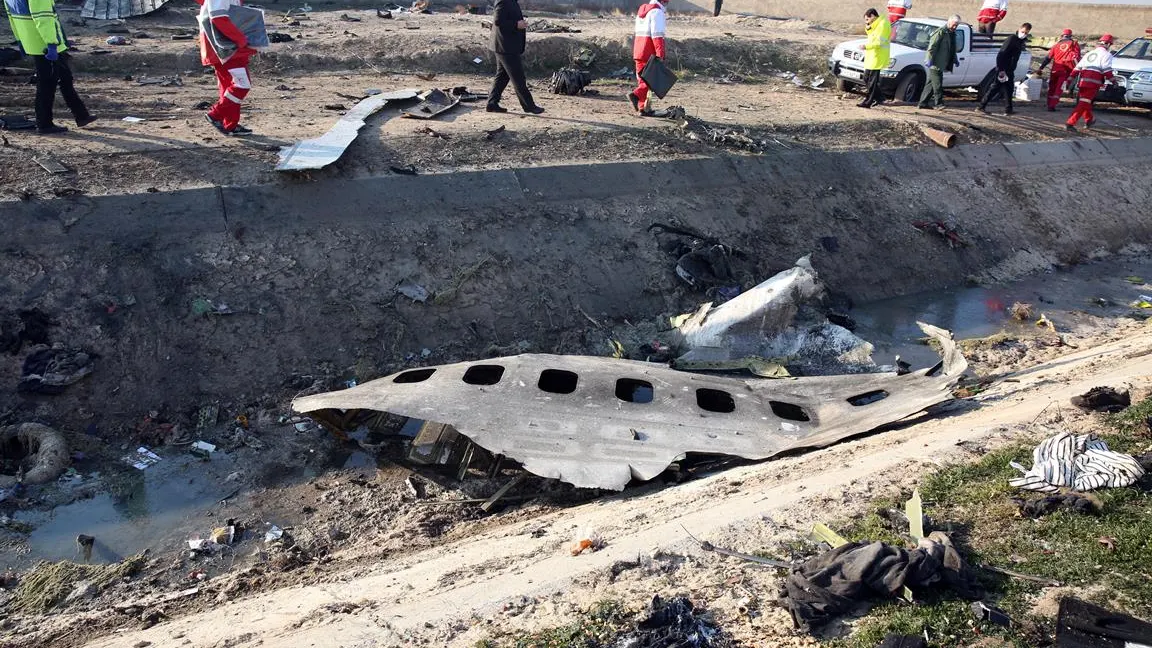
[941,58]
[37,28]
[876,55]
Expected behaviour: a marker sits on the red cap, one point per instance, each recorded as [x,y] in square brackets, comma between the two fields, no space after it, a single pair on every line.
[1066,32]
[1106,38]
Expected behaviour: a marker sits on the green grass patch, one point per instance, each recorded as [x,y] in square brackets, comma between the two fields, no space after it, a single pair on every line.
[1131,424]
[972,501]
[598,627]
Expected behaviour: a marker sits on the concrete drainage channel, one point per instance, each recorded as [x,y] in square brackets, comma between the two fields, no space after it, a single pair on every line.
[308,271]
[246,295]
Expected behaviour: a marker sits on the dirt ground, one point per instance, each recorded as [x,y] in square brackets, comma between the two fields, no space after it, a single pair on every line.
[377,553]
[731,69]
[381,564]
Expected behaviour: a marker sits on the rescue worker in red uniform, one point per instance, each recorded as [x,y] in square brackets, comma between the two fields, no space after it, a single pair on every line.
[648,42]
[897,9]
[991,12]
[1094,69]
[231,72]
[1063,56]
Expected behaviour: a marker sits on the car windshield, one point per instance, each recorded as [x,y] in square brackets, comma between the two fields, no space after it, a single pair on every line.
[912,34]
[1141,48]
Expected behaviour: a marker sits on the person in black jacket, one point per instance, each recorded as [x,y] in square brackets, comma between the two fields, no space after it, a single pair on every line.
[509,34]
[1006,61]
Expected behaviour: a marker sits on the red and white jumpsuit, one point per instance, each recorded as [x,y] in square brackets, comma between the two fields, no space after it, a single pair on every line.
[897,9]
[231,73]
[649,42]
[1064,56]
[1095,68]
[991,12]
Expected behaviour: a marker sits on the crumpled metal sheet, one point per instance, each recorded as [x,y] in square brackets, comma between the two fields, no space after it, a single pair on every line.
[319,152]
[592,439]
[119,9]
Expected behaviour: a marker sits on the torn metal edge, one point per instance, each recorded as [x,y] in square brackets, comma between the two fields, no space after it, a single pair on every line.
[319,152]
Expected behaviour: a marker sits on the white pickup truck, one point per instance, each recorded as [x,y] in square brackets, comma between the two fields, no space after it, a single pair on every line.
[905,75]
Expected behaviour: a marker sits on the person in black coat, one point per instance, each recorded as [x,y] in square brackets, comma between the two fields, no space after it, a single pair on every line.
[1006,60]
[509,34]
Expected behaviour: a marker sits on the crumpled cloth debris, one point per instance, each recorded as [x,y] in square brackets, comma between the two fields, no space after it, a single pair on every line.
[1052,503]
[569,81]
[674,624]
[1081,462]
[835,582]
[50,371]
[1103,399]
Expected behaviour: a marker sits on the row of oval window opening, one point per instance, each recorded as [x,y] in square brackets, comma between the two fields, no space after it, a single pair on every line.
[630,390]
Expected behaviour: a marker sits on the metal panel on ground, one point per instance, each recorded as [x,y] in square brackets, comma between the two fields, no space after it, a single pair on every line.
[119,9]
[599,422]
[324,150]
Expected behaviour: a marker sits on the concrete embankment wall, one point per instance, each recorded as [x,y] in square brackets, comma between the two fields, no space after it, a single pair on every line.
[309,269]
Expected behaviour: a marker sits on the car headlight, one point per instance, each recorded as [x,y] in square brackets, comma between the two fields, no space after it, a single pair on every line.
[1143,76]
[891,63]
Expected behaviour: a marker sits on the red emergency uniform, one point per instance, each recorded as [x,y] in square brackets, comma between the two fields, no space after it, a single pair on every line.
[1095,68]
[897,9]
[1063,56]
[648,42]
[991,12]
[232,73]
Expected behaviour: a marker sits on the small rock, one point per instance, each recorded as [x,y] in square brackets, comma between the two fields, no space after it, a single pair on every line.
[142,644]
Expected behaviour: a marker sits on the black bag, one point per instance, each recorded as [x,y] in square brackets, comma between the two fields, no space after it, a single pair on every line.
[658,77]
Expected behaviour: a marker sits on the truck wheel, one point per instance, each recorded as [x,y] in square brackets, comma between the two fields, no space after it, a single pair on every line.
[909,88]
[844,85]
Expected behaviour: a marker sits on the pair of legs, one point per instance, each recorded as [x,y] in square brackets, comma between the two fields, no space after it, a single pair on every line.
[640,102]
[509,67]
[50,76]
[933,90]
[234,84]
[1084,106]
[874,95]
[1007,88]
[1056,86]
[986,28]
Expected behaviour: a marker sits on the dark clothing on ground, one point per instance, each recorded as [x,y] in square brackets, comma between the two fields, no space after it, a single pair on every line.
[837,581]
[510,67]
[874,94]
[51,75]
[507,38]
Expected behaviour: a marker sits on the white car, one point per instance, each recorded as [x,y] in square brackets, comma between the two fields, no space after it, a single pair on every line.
[905,74]
[1134,57]
[1139,88]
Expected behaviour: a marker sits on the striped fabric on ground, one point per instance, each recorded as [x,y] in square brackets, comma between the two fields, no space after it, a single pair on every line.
[1080,462]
